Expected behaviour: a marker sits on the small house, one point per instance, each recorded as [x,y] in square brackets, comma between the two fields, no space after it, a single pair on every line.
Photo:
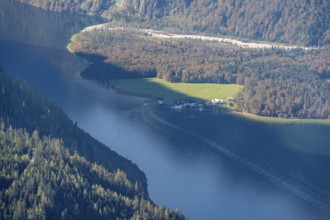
[230,99]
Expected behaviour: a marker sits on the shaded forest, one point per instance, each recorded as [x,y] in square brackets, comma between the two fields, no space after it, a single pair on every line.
[41,179]
[22,107]
[278,82]
[51,169]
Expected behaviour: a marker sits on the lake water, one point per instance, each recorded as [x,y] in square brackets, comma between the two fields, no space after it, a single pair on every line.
[209,166]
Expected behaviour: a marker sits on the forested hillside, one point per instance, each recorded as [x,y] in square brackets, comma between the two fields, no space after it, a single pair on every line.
[277,82]
[305,22]
[51,169]
[41,179]
[22,107]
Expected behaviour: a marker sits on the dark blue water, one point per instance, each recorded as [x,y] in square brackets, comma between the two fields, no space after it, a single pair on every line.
[209,166]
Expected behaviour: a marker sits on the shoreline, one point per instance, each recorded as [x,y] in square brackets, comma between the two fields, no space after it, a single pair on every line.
[154,33]
[277,120]
[241,115]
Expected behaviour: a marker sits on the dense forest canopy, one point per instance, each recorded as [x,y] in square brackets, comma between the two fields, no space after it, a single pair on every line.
[305,22]
[51,169]
[41,179]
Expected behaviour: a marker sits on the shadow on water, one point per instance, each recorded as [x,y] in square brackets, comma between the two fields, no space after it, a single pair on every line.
[276,153]
[256,146]
[144,85]
[26,24]
[34,41]
[292,157]
[101,71]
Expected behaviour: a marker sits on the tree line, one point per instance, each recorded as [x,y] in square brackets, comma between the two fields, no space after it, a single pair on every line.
[277,82]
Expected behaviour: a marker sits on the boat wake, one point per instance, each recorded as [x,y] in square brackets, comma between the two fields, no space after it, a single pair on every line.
[301,190]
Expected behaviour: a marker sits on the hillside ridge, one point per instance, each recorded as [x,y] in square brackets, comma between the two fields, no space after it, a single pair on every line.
[304,23]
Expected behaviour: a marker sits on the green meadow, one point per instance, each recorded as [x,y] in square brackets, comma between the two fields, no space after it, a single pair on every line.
[172,92]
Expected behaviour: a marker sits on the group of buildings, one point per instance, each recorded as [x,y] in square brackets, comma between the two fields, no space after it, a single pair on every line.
[192,104]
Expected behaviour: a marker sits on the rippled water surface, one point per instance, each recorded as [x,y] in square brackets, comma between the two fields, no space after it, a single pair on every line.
[210,166]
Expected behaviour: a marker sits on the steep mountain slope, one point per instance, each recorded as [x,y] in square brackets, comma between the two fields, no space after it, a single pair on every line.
[22,107]
[305,22]
[41,179]
[296,22]
[51,169]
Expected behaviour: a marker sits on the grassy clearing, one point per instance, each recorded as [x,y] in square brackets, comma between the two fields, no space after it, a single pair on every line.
[176,91]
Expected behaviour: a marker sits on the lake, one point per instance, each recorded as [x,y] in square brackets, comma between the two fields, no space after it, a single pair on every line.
[210,166]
